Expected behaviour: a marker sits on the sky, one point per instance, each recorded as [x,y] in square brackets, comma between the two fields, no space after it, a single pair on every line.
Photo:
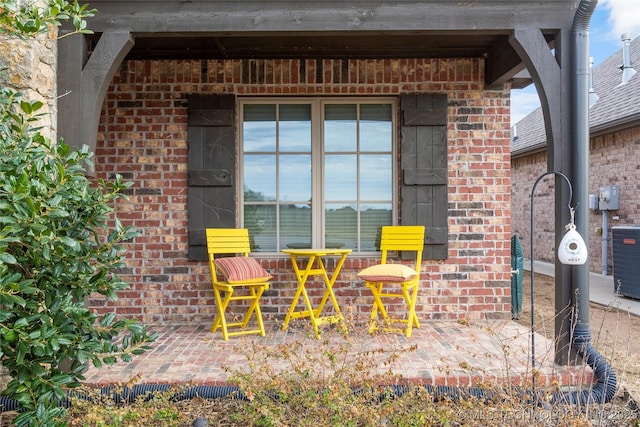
[609,21]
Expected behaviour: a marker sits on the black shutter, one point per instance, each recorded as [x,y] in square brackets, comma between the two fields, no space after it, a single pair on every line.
[424,169]
[211,165]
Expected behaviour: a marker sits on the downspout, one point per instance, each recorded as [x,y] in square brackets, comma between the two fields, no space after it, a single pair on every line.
[605,388]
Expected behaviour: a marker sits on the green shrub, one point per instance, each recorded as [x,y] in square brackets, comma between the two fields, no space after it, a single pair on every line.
[56,249]
[59,243]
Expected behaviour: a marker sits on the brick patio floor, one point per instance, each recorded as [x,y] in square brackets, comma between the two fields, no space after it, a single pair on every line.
[445,353]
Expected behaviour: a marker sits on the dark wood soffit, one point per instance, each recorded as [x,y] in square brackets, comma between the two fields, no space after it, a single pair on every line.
[334,45]
[501,61]
[165,29]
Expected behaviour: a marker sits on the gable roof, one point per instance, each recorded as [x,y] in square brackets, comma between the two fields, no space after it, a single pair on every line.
[618,105]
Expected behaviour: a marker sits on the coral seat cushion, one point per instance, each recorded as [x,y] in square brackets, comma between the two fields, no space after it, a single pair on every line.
[242,269]
[388,273]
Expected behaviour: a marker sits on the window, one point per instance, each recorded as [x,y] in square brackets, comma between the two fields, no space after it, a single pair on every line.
[317,172]
[215,199]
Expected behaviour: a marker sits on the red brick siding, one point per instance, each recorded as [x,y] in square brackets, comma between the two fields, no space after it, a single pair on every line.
[613,160]
[524,172]
[143,136]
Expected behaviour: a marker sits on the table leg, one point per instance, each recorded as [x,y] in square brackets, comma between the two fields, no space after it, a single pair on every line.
[315,315]
[329,282]
[302,277]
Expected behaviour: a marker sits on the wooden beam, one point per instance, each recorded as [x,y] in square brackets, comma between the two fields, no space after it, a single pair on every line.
[501,66]
[83,82]
[72,54]
[551,73]
[170,16]
[96,77]
[534,51]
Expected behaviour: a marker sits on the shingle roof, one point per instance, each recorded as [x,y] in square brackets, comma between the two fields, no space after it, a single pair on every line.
[529,134]
[617,104]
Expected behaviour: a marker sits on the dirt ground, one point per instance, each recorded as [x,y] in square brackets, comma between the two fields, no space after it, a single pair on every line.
[614,332]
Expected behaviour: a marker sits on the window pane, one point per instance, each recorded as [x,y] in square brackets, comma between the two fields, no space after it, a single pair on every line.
[259,177]
[295,128]
[372,218]
[261,222]
[289,204]
[340,127]
[341,226]
[259,128]
[375,177]
[340,177]
[295,226]
[295,178]
[375,127]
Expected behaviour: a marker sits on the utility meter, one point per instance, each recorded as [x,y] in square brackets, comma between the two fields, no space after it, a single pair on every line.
[608,198]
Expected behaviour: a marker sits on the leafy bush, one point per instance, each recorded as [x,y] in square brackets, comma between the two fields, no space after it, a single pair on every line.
[55,251]
[23,19]
[59,243]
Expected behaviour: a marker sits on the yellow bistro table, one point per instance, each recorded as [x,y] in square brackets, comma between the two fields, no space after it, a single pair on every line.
[315,266]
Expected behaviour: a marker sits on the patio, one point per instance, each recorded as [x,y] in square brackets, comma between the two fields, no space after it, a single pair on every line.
[439,353]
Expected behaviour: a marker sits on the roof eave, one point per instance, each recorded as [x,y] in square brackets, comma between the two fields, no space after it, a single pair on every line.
[533,149]
[615,125]
[594,131]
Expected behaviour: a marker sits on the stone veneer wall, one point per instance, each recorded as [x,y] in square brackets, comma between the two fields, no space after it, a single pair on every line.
[31,70]
[143,136]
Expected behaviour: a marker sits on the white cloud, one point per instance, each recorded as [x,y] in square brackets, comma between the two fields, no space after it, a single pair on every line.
[624,17]
[523,102]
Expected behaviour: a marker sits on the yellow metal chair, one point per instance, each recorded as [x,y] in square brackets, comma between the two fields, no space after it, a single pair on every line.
[392,281]
[241,273]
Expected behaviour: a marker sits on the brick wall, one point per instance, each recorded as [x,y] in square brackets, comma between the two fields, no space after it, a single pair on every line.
[524,172]
[613,161]
[143,136]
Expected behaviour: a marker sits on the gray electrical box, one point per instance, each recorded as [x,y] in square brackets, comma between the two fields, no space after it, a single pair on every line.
[608,198]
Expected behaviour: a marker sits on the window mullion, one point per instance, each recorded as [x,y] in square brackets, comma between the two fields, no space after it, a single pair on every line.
[278,154]
[358,184]
[317,177]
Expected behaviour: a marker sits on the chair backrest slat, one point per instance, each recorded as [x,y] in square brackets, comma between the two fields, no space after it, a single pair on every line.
[403,238]
[228,241]
[406,237]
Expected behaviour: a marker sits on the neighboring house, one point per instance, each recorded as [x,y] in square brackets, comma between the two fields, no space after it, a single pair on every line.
[310,123]
[614,122]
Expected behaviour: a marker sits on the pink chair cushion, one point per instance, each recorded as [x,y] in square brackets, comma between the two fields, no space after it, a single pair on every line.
[242,269]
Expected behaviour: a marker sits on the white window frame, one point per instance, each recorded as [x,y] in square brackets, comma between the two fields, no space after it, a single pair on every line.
[317,155]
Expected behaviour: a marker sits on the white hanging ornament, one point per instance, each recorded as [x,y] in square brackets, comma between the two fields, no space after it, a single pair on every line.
[572,249]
